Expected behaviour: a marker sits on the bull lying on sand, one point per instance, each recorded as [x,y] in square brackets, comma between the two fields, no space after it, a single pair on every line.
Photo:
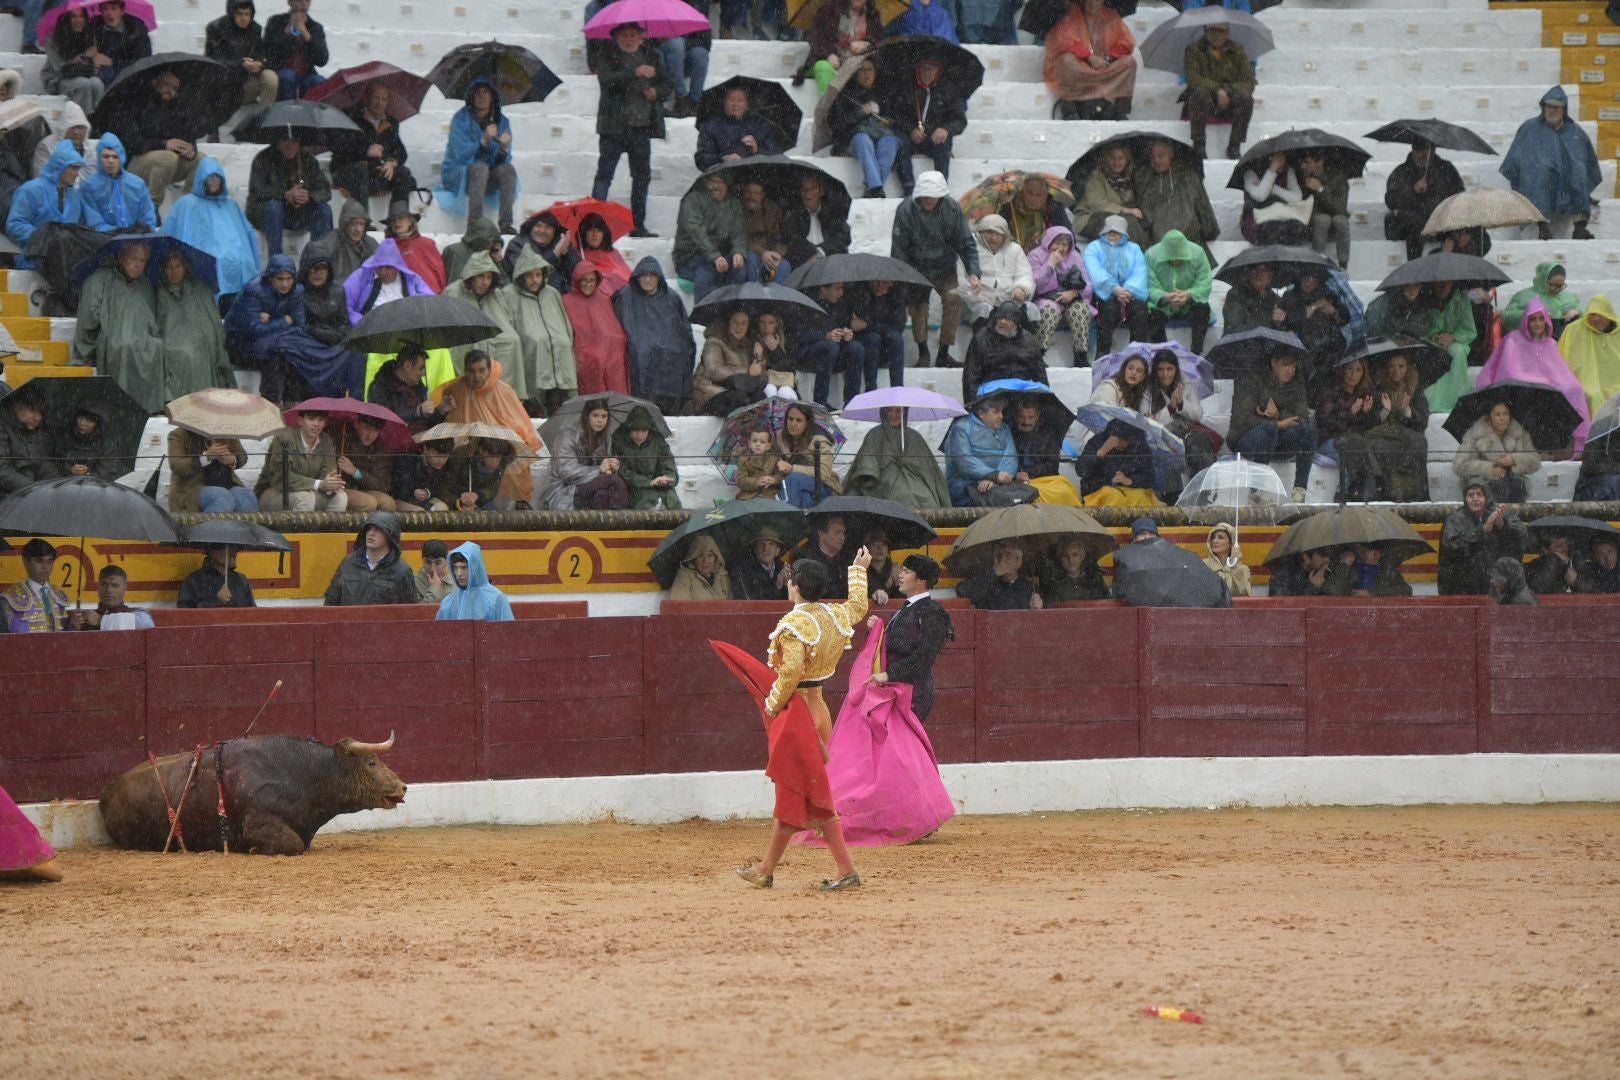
[278,791]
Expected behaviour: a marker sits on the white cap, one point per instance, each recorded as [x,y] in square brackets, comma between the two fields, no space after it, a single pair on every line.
[931,185]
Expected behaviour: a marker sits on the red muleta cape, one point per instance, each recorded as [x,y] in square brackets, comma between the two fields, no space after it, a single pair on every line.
[803,793]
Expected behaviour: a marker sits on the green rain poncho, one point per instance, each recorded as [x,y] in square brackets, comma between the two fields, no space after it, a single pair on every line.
[495,303]
[1176,264]
[546,361]
[1558,307]
[194,354]
[118,333]
[896,463]
[1455,316]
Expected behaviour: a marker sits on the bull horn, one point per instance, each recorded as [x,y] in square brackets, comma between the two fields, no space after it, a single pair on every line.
[354,746]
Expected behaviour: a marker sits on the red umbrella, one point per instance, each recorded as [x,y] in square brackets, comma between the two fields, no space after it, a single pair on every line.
[569,214]
[133,9]
[396,435]
[346,88]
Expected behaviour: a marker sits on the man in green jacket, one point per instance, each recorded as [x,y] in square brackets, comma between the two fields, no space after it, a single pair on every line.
[930,235]
[633,83]
[288,189]
[1220,82]
[711,237]
[1179,279]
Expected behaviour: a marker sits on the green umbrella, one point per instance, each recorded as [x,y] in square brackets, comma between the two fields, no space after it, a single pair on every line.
[733,526]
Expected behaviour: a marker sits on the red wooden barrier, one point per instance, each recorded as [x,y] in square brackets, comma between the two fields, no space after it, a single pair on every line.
[1554,680]
[307,613]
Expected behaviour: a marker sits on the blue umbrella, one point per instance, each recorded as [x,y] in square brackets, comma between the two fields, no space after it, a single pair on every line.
[1098,416]
[201,263]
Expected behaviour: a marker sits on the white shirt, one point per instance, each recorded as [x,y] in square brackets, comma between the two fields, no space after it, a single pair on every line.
[388,293]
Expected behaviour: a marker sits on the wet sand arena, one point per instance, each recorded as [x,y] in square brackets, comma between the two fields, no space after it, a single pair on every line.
[1461,942]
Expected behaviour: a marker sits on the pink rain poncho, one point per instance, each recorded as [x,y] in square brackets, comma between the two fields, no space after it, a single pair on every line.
[1537,360]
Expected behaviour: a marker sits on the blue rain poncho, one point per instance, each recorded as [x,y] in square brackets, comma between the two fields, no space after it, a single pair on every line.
[480,599]
[1556,170]
[216,224]
[122,201]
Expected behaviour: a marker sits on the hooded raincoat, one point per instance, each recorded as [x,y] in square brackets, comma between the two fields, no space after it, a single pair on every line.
[1518,356]
[504,346]
[1514,589]
[1231,568]
[1175,199]
[1111,266]
[1175,264]
[1594,355]
[1558,306]
[194,353]
[600,347]
[1455,316]
[216,224]
[496,403]
[466,147]
[36,203]
[692,584]
[481,236]
[976,451]
[1069,273]
[363,290]
[478,599]
[118,332]
[257,339]
[345,255]
[546,337]
[1555,169]
[356,581]
[896,463]
[641,464]
[123,200]
[659,337]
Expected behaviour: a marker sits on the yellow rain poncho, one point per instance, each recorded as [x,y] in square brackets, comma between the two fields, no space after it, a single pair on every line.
[1594,354]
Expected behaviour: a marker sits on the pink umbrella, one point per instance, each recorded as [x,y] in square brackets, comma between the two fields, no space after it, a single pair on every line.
[346,88]
[924,404]
[396,436]
[660,18]
[135,9]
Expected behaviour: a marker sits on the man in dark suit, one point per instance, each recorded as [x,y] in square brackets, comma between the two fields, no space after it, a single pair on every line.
[917,633]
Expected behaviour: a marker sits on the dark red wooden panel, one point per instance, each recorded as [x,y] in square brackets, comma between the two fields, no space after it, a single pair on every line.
[67,694]
[698,716]
[1226,682]
[206,683]
[1554,680]
[75,776]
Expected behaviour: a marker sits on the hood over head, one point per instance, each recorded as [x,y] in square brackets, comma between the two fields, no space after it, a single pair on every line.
[1177,247]
[1599,305]
[352,209]
[206,168]
[1555,96]
[109,141]
[495,92]
[279,264]
[387,254]
[73,116]
[1115,223]
[232,5]
[1515,589]
[480,263]
[1234,556]
[931,185]
[583,267]
[387,522]
[63,157]
[1533,307]
[593,221]
[1543,272]
[477,576]
[1011,309]
[991,223]
[482,234]
[1055,231]
[703,544]
[649,265]
[529,259]
[640,417]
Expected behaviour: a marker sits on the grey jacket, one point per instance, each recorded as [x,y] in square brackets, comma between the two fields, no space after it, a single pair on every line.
[355,582]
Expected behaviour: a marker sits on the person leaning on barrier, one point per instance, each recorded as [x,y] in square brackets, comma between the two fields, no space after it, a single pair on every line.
[216,582]
[1473,537]
[374,572]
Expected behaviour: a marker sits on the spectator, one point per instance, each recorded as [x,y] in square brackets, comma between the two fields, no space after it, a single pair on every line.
[840,30]
[117,328]
[1090,68]
[828,544]
[1453,330]
[544,375]
[348,246]
[1039,441]
[433,581]
[1253,303]
[860,130]
[1550,287]
[367,467]
[118,196]
[52,196]
[987,22]
[157,155]
[486,469]
[288,189]
[895,462]
[1330,207]
[702,574]
[1328,317]
[1032,212]
[375,163]
[1396,313]
[601,349]
[1173,402]
[1171,197]
[931,17]
[826,342]
[1062,291]
[1220,83]
[79,446]
[881,312]
[646,463]
[771,346]
[686,59]
[596,247]
[194,353]
[763,577]
[479,285]
[1552,163]
[374,572]
[814,228]
[473,596]
[326,309]
[383,278]
[1003,348]
[1473,537]
[1366,574]
[1591,348]
[216,583]
[933,114]
[736,133]
[432,480]
[544,235]
[259,322]
[70,68]
[1398,444]
[33,605]
[482,237]
[1004,273]
[1277,207]
[481,396]
[1110,191]
[202,476]
[769,18]
[1305,576]
[633,83]
[584,473]
[117,41]
[808,455]
[760,468]
[14,171]
[1115,468]
[1497,452]
[1226,559]
[209,220]
[1345,412]
[1004,587]
[1070,574]
[981,459]
[400,387]
[110,612]
[236,40]
[1119,278]
[711,238]
[1128,388]
[1271,418]
[930,234]
[1602,573]
[1415,187]
[300,469]
[419,252]
[883,576]
[74,128]
[1179,280]
[1507,582]
[1553,571]
[295,45]
[478,159]
[1529,354]
[762,218]
[658,339]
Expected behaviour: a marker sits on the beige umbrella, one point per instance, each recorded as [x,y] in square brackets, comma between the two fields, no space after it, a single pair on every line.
[1482,208]
[463,434]
[225,413]
[821,133]
[1035,526]
[1351,525]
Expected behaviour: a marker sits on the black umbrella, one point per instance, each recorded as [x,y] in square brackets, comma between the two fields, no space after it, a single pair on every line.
[733,526]
[1432,131]
[1444,266]
[896,61]
[1237,353]
[1579,530]
[787,304]
[236,533]
[859,269]
[1540,409]
[209,94]
[780,176]
[433,322]
[1340,153]
[58,249]
[1140,143]
[123,420]
[1430,360]
[1288,261]
[863,513]
[84,506]
[519,75]
[316,124]
[1157,573]
[768,100]
[1039,16]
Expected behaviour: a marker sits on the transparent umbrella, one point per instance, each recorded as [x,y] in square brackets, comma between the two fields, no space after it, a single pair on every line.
[1239,484]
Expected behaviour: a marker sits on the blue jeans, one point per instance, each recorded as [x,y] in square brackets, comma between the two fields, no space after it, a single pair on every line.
[1266,441]
[313,217]
[802,491]
[218,500]
[940,156]
[294,85]
[704,278]
[33,11]
[636,142]
[734,14]
[688,67]
[884,345]
[825,356]
[876,159]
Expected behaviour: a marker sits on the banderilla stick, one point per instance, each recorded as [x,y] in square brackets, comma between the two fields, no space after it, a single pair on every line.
[174,818]
[274,690]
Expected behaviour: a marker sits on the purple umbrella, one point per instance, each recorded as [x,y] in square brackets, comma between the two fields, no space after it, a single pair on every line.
[1198,372]
[660,18]
[924,404]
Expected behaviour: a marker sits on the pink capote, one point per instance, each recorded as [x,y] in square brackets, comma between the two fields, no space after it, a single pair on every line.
[21,846]
[885,779]
[1519,356]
